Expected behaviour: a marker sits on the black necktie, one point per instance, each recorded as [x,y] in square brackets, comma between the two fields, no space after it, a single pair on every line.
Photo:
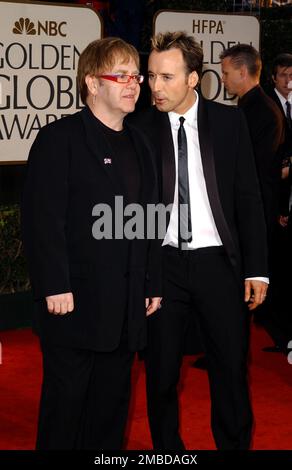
[184,207]
[288,114]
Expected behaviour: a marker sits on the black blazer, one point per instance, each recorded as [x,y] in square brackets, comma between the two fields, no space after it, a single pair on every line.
[230,176]
[109,279]
[266,126]
[287,153]
[288,132]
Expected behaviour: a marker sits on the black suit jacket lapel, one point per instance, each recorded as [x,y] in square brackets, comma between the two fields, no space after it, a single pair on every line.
[167,162]
[100,148]
[208,162]
[146,163]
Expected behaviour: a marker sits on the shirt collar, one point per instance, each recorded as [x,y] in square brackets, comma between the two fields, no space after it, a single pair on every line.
[281,97]
[190,116]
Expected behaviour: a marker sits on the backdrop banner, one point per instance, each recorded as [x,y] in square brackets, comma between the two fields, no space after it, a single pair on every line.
[215,32]
[39,49]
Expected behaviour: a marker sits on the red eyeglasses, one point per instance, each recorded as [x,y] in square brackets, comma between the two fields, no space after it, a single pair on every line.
[122,78]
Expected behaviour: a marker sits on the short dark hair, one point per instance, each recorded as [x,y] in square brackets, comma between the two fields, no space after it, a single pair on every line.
[282,60]
[191,50]
[244,54]
[99,56]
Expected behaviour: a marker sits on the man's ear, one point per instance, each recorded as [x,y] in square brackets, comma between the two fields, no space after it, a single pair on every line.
[91,83]
[273,79]
[243,71]
[193,79]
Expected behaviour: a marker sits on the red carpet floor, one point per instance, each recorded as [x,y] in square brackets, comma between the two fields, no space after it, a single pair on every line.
[271,390]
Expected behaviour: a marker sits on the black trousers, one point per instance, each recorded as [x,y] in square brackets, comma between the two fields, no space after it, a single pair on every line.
[275,313]
[85,398]
[200,282]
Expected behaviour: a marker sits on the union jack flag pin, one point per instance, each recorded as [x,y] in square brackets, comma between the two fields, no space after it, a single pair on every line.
[107,161]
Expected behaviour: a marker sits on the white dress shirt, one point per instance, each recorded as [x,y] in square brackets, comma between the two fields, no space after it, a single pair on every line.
[283,101]
[204,230]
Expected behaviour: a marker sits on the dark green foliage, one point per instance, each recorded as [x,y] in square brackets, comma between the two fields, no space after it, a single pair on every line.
[276,37]
[13,271]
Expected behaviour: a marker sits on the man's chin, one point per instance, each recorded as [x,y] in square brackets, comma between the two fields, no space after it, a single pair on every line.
[162,107]
[129,109]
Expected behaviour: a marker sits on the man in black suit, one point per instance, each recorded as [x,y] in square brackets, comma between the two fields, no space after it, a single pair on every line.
[281,93]
[90,284]
[215,238]
[282,96]
[241,69]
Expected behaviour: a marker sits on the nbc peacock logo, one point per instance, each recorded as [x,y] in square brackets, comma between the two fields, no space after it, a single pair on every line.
[24,26]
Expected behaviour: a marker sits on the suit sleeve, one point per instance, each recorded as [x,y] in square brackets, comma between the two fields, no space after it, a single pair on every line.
[268,150]
[285,192]
[153,286]
[249,208]
[44,207]
[143,124]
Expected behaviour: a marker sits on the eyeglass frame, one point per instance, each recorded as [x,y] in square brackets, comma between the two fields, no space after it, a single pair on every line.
[115,76]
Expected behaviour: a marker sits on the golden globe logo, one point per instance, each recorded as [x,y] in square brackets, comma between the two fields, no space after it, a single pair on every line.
[49,28]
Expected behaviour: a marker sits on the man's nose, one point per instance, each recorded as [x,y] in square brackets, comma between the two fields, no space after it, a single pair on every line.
[156,84]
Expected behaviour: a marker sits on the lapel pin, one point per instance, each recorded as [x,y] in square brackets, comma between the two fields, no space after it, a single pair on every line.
[107,161]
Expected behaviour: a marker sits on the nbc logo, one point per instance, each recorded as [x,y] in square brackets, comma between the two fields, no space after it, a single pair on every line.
[46,27]
[24,25]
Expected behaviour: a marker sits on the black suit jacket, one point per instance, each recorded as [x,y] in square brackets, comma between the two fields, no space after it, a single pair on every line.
[230,177]
[109,279]
[287,146]
[287,153]
[266,126]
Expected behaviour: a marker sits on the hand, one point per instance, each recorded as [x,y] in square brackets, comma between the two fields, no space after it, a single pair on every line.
[283,220]
[255,293]
[152,305]
[60,304]
[285,172]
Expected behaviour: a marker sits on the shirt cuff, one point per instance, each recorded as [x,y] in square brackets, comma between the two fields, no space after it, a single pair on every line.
[264,279]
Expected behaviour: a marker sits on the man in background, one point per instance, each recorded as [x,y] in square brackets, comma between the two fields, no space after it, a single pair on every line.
[241,70]
[281,93]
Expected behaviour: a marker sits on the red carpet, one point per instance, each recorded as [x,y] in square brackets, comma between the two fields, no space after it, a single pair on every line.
[271,389]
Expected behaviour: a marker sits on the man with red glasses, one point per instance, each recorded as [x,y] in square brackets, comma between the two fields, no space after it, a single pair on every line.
[93,289]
